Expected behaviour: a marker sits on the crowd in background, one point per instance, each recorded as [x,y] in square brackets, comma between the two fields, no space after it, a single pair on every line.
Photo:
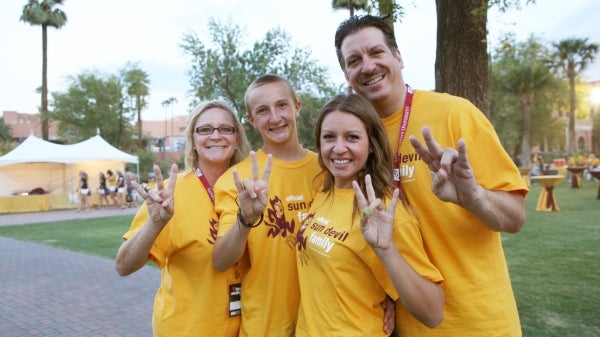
[114,190]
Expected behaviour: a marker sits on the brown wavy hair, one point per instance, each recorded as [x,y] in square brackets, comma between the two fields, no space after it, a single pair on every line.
[379,162]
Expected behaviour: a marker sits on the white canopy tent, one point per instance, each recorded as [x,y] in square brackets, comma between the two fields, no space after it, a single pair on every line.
[36,163]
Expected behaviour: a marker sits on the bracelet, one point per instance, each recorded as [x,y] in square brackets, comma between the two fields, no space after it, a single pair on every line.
[240,220]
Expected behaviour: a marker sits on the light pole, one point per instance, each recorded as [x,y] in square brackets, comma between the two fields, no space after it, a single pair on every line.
[169,101]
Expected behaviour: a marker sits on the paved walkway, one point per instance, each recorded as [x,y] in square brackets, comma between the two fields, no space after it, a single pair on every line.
[46,291]
[69,214]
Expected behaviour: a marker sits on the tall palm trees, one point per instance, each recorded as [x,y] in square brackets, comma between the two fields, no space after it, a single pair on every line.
[137,84]
[571,57]
[44,13]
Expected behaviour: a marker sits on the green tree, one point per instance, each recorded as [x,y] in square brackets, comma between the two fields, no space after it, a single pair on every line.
[228,68]
[136,82]
[93,103]
[571,58]
[46,14]
[5,131]
[520,73]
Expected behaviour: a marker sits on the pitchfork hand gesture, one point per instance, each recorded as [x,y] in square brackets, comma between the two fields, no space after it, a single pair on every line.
[376,223]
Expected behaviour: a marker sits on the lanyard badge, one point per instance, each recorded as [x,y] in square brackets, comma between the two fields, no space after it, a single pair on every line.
[402,133]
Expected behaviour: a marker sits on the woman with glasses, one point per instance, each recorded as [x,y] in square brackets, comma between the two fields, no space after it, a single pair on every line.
[176,229]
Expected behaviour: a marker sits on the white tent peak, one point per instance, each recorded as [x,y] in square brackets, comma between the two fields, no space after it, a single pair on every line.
[34,149]
[37,150]
[96,148]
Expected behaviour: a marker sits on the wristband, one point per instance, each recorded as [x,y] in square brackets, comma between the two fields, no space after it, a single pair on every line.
[241,220]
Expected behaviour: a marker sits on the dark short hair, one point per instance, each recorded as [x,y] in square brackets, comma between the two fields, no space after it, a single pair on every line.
[355,24]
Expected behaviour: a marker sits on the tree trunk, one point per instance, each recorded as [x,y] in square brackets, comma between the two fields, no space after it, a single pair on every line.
[526,101]
[350,7]
[138,105]
[461,65]
[44,108]
[386,7]
[572,104]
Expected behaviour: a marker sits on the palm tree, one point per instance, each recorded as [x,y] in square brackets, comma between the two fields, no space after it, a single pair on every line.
[571,58]
[44,13]
[136,83]
[525,80]
[350,5]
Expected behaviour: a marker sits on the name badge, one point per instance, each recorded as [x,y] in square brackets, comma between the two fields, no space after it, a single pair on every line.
[235,308]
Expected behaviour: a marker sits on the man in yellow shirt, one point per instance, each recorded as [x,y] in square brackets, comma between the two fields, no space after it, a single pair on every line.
[462,184]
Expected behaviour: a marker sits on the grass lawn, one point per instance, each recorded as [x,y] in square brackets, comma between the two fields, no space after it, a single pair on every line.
[554,264]
[554,261]
[99,236]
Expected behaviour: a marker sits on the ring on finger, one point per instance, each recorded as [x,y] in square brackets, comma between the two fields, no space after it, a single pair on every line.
[365,212]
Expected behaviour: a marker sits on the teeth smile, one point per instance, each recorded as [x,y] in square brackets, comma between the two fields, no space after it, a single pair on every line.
[341,162]
[376,79]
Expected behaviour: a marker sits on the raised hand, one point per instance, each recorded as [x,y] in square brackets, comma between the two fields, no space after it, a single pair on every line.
[253,193]
[452,176]
[160,201]
[376,222]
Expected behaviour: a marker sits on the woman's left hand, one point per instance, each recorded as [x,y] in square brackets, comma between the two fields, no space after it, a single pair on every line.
[375,221]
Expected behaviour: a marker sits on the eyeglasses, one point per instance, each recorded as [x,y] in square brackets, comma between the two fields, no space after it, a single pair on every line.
[206,130]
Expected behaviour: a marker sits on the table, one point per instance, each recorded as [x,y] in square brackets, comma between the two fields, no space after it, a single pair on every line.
[525,175]
[575,175]
[34,203]
[596,174]
[547,202]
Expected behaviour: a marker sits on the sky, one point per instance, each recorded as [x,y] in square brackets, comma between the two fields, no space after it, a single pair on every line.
[102,36]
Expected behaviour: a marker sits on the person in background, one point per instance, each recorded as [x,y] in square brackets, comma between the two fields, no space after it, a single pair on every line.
[84,191]
[120,189]
[456,175]
[112,187]
[129,179]
[342,276]
[102,191]
[176,229]
[151,184]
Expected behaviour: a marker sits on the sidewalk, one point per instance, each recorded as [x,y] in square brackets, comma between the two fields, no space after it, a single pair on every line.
[69,214]
[46,291]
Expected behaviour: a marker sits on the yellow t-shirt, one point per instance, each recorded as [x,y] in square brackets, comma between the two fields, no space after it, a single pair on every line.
[479,299]
[112,182]
[270,293]
[193,298]
[342,281]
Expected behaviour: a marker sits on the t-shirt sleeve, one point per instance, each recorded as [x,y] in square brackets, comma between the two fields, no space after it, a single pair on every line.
[157,250]
[408,239]
[482,141]
[226,205]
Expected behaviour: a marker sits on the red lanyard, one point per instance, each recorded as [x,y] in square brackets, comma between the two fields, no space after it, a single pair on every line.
[206,184]
[402,133]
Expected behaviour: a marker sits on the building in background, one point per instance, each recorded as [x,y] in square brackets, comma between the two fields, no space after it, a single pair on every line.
[166,137]
[23,125]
